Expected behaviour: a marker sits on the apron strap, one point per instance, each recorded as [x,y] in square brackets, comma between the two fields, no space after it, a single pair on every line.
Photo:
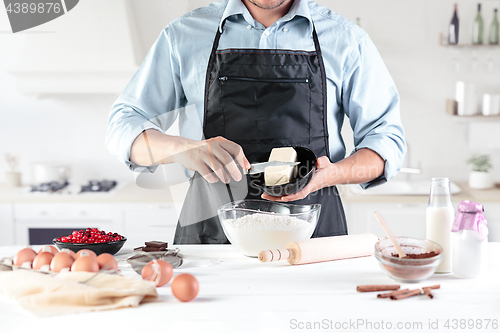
[323,83]
[215,46]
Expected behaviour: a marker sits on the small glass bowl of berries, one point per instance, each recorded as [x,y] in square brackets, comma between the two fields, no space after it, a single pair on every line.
[93,239]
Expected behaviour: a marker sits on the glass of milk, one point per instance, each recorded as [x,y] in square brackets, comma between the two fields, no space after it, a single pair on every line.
[439,220]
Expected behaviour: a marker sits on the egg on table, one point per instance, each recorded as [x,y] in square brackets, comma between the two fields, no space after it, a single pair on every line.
[24,255]
[85,263]
[60,261]
[52,249]
[73,254]
[42,259]
[90,253]
[185,287]
[158,271]
[107,261]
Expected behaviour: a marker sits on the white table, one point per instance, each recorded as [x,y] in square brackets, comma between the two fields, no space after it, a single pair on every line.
[240,294]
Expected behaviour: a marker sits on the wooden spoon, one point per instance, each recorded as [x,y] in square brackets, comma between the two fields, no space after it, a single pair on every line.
[388,231]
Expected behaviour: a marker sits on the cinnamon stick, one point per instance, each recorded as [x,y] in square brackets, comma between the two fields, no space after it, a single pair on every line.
[394,293]
[406,295]
[377,287]
[437,286]
[428,292]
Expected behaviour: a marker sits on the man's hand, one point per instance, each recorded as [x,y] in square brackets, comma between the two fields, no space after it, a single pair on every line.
[212,158]
[319,180]
[361,167]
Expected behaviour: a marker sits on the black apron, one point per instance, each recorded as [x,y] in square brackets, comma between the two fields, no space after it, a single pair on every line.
[260,99]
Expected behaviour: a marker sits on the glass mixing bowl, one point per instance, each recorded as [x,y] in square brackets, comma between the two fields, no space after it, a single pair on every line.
[256,225]
[408,270]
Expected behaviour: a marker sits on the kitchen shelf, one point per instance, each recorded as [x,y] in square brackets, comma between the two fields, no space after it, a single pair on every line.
[484,46]
[473,46]
[476,118]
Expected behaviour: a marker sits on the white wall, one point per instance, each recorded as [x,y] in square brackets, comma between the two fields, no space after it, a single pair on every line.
[407,35]
[71,129]
[67,129]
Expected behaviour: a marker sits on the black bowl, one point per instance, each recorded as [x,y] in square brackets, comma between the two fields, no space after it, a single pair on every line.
[307,159]
[98,248]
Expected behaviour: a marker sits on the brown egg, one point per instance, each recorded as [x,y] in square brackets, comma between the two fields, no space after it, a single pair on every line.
[60,261]
[85,264]
[42,259]
[26,254]
[158,271]
[73,254]
[185,287]
[53,249]
[90,252]
[107,261]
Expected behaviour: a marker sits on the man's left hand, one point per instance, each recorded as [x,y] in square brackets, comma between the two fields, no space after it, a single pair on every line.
[320,179]
[361,167]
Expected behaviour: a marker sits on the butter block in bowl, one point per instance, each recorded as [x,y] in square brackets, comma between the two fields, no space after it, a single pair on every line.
[282,174]
[302,174]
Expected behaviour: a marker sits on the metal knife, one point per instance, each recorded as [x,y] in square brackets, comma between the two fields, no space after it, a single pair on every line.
[261,167]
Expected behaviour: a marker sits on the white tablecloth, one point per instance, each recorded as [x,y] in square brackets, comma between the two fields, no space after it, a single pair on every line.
[240,294]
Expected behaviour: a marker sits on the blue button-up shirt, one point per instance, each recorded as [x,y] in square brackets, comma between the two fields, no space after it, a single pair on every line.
[170,82]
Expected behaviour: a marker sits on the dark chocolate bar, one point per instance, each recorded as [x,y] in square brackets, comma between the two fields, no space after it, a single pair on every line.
[156,244]
[153,249]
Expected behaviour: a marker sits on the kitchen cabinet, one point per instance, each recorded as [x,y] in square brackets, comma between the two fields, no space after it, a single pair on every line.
[492,215]
[137,213]
[6,227]
[143,215]
[404,219]
[84,53]
[406,216]
[139,222]
[37,223]
[148,221]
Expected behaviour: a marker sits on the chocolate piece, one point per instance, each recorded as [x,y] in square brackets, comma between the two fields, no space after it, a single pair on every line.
[156,244]
[153,246]
[150,249]
[153,249]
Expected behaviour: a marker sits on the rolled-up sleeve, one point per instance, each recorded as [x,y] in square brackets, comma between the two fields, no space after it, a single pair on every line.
[151,100]
[371,102]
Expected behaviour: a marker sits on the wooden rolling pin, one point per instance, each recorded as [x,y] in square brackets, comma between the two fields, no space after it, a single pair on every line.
[323,249]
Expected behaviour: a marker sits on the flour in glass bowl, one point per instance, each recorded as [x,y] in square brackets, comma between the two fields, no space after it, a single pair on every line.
[257,232]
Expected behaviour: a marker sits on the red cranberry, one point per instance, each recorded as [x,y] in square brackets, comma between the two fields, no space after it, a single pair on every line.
[90,236]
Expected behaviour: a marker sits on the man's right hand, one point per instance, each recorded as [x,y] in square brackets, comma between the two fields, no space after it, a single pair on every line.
[214,159]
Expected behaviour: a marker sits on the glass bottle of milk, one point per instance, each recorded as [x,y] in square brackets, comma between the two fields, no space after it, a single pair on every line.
[439,220]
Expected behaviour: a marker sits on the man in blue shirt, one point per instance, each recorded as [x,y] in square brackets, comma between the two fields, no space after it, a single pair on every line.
[246,76]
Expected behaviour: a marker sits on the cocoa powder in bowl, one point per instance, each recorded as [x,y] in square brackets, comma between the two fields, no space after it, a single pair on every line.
[417,255]
[423,257]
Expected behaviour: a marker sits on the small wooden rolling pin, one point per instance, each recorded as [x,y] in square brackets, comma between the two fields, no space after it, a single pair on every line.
[323,249]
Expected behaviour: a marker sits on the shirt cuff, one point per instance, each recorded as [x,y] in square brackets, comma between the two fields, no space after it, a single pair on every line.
[133,135]
[392,156]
